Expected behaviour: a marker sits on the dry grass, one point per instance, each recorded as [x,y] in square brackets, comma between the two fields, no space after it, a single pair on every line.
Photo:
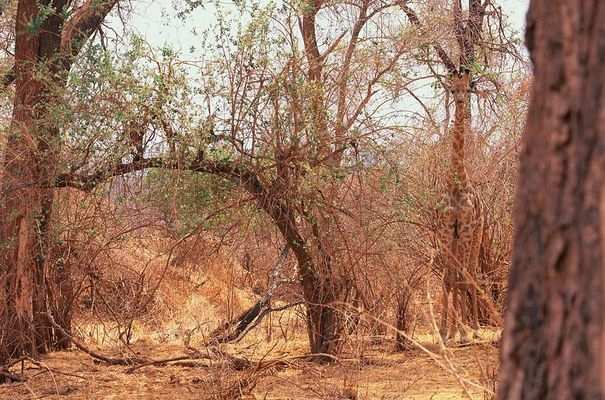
[192,299]
[382,375]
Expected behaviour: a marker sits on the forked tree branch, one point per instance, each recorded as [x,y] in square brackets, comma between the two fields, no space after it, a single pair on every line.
[85,20]
[413,17]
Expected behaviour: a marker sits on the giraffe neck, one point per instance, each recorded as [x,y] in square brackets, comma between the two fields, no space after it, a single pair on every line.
[459,179]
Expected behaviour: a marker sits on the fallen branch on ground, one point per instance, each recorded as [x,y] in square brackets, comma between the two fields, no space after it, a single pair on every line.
[135,363]
[236,329]
[46,368]
[92,353]
[213,354]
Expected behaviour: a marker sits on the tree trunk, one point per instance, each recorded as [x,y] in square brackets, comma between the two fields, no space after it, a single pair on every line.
[324,323]
[321,292]
[403,319]
[322,289]
[45,46]
[25,208]
[26,201]
[553,344]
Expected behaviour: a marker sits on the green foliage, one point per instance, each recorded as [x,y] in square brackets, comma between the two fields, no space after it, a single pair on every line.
[38,20]
[189,200]
[248,98]
[110,94]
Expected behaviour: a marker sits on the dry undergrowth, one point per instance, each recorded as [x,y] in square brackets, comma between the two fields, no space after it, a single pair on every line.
[275,371]
[191,299]
[410,375]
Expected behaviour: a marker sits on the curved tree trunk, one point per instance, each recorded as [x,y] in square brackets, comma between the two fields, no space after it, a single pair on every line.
[553,345]
[321,291]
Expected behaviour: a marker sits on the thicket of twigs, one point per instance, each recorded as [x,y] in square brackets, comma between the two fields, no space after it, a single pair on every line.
[291,175]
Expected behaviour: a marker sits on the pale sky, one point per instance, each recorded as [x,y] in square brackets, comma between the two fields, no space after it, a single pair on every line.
[150,21]
[517,9]
[156,21]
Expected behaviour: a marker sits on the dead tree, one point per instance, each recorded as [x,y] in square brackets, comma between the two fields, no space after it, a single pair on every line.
[237,328]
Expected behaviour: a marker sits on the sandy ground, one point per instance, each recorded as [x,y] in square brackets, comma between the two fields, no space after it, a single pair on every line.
[377,374]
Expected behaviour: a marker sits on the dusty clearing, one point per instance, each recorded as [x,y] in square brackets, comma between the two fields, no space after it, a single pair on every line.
[378,375]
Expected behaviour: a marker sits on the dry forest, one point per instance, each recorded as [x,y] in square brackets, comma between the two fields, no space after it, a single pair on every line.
[263,199]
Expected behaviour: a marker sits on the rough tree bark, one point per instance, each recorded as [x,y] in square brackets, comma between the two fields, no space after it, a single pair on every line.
[321,289]
[553,336]
[45,47]
[25,211]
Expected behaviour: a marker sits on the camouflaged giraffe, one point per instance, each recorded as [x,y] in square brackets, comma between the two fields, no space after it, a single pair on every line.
[460,226]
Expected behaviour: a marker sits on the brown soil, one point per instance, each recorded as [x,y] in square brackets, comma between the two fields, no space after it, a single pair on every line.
[379,374]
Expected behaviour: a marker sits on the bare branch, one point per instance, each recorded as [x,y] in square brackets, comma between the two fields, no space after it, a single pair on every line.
[445,59]
[332,46]
[92,353]
[344,75]
[370,92]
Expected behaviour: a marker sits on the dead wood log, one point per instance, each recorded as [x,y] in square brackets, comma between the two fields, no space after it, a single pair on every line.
[232,330]
[237,328]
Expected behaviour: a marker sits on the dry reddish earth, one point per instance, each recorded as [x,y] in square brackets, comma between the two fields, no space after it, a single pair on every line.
[378,375]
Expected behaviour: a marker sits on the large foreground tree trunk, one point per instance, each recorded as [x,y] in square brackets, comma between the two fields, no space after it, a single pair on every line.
[554,343]
[26,207]
[45,47]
